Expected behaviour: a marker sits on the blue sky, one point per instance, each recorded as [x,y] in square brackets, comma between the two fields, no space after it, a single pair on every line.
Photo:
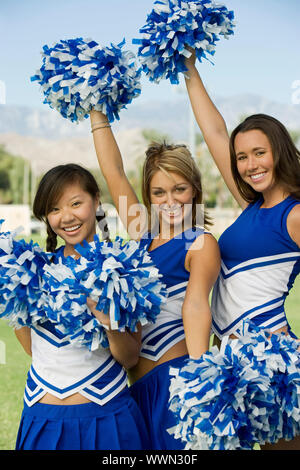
[262,57]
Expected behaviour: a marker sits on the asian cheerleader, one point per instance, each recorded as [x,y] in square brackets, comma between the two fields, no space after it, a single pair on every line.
[76,398]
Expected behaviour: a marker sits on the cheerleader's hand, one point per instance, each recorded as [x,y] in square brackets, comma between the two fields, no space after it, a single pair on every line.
[99,314]
[190,61]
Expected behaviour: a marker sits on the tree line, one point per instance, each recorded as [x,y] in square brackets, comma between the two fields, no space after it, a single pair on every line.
[16,178]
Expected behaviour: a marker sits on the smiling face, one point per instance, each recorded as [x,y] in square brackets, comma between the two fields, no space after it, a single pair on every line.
[73,216]
[172,195]
[254,159]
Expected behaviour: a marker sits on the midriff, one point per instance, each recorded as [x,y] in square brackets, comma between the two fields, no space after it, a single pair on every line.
[145,365]
[75,399]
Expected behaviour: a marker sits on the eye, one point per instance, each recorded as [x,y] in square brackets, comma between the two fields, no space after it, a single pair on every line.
[53,209]
[260,153]
[76,204]
[241,157]
[181,189]
[158,192]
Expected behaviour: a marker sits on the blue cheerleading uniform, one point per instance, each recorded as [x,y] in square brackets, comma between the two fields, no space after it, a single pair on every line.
[260,262]
[151,392]
[111,421]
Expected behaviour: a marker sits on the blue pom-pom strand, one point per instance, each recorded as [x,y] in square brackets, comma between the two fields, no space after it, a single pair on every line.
[78,75]
[175,26]
[246,393]
[21,264]
[119,276]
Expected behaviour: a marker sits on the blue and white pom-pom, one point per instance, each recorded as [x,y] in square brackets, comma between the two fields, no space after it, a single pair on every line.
[119,276]
[21,265]
[246,393]
[174,26]
[79,75]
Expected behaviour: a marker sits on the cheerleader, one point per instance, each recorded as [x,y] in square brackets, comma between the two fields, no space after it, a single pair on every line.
[76,398]
[260,251]
[184,252]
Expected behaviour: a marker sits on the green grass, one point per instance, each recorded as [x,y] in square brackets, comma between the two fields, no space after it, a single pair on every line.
[12,382]
[13,372]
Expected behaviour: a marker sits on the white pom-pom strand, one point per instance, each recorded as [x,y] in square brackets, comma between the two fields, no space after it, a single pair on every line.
[78,75]
[174,27]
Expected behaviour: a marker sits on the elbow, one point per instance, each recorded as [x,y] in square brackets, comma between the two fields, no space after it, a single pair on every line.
[28,350]
[24,337]
[131,361]
[128,359]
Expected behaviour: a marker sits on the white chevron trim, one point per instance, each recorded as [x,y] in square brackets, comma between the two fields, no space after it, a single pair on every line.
[265,259]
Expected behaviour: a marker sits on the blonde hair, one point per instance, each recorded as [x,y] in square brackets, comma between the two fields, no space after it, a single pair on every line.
[177,159]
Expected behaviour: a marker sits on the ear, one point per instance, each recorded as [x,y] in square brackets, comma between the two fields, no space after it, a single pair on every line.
[97,202]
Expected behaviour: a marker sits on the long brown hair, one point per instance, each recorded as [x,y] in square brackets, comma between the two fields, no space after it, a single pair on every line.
[50,190]
[285,154]
[177,159]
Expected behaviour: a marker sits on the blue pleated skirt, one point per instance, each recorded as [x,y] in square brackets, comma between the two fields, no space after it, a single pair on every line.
[151,393]
[117,425]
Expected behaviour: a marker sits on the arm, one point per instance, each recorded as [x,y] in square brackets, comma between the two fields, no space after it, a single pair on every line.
[111,164]
[212,126]
[24,337]
[293,224]
[124,347]
[203,262]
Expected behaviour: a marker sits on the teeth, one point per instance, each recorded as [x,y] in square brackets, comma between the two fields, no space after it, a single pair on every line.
[71,229]
[255,177]
[172,211]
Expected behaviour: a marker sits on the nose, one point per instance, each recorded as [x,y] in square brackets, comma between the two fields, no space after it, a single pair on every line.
[170,199]
[251,163]
[67,216]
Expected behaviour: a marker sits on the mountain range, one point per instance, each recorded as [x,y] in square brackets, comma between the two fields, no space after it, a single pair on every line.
[42,136]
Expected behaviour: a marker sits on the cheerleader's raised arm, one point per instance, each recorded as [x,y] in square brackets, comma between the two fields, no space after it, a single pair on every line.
[212,126]
[112,168]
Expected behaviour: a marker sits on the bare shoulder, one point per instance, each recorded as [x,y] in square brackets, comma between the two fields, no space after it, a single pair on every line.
[204,248]
[293,224]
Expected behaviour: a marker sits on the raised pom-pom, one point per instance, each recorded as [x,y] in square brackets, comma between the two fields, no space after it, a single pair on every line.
[174,26]
[79,75]
[21,264]
[246,393]
[119,276]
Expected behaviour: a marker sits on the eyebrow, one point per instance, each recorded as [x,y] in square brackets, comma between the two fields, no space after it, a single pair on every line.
[73,197]
[177,184]
[253,150]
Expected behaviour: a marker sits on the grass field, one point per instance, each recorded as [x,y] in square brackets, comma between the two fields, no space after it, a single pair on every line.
[16,363]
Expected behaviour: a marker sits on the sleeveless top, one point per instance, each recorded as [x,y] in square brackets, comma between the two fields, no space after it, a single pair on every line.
[260,262]
[62,369]
[169,258]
